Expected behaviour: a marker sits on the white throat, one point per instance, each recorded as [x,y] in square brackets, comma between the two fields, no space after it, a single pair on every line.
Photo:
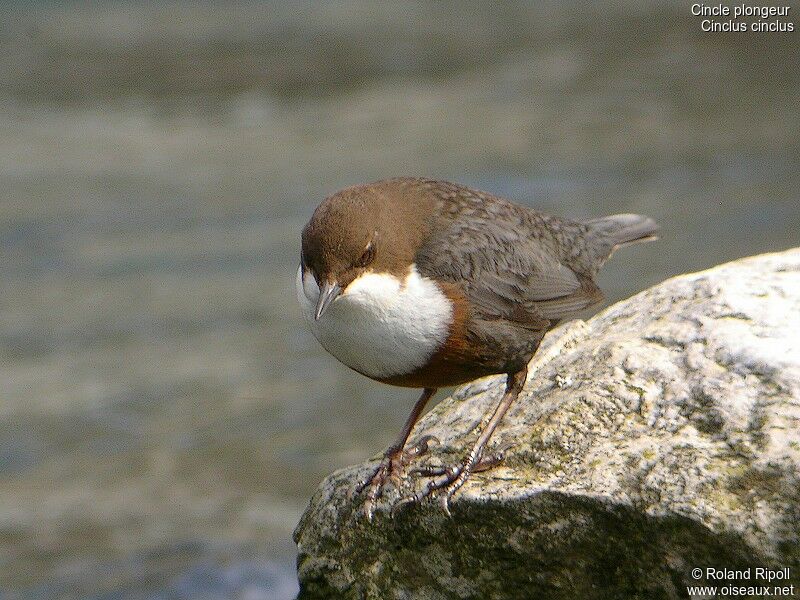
[381,326]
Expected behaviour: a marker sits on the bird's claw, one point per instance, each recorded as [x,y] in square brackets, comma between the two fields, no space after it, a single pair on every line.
[446,481]
[384,473]
[390,470]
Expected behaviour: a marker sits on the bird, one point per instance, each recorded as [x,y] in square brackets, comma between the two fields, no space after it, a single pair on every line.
[422,283]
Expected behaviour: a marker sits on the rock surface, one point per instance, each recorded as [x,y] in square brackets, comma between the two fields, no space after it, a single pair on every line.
[661,436]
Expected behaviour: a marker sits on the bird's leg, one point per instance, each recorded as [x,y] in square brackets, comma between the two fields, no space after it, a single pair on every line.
[454,477]
[395,459]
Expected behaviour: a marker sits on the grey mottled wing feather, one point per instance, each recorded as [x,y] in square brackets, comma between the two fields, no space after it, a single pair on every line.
[506,271]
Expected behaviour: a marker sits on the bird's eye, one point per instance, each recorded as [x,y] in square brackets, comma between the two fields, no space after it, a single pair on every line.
[367,257]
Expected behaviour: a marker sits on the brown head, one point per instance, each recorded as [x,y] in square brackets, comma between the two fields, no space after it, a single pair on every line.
[374,227]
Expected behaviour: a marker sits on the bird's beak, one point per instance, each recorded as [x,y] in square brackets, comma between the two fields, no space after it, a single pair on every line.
[329,292]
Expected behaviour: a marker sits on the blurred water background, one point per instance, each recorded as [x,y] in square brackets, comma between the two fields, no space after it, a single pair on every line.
[165,413]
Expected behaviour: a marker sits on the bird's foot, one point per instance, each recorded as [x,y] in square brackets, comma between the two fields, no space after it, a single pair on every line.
[390,471]
[446,481]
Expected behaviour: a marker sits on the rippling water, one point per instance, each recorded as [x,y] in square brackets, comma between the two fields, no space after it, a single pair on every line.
[165,414]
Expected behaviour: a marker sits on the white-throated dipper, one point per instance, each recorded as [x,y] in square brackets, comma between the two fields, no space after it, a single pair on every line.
[423,283]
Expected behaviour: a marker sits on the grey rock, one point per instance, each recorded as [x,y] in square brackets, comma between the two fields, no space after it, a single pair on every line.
[660,436]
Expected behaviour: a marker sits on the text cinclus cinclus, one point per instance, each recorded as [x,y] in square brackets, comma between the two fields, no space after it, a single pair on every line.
[423,283]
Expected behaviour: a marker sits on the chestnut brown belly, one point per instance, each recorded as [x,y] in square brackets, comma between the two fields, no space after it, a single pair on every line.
[463,361]
[439,373]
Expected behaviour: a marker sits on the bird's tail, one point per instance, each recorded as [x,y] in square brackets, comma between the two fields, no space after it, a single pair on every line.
[624,230]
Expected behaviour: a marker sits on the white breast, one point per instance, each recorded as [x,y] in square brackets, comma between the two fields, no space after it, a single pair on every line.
[380,326]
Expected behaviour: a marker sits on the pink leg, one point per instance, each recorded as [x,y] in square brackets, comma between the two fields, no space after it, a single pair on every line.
[454,477]
[394,459]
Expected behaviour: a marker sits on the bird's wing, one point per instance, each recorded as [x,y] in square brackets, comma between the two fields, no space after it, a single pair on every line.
[506,273]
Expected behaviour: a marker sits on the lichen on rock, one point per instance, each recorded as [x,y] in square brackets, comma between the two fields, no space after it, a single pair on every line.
[661,435]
